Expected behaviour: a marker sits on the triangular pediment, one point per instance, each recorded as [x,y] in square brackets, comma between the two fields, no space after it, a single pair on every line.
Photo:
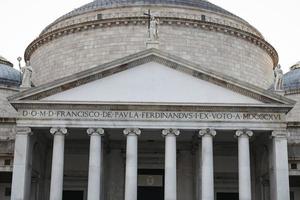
[151,82]
[150,76]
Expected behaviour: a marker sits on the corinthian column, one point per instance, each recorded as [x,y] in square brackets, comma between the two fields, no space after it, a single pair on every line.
[21,180]
[244,164]
[94,182]
[170,163]
[131,163]
[57,172]
[207,167]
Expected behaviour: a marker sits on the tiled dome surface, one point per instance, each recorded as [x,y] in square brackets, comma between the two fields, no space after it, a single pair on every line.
[291,80]
[8,75]
[98,4]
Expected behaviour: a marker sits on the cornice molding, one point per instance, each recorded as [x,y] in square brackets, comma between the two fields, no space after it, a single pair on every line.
[24,131]
[104,23]
[293,124]
[291,91]
[279,134]
[5,62]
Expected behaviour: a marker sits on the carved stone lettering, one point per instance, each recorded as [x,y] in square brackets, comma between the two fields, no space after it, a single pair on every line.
[148,115]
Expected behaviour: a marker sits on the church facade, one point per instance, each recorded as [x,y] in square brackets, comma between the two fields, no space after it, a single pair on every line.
[141,100]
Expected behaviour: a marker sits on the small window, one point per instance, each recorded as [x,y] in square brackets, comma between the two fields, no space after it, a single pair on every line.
[203,17]
[7,162]
[7,192]
[294,166]
[99,16]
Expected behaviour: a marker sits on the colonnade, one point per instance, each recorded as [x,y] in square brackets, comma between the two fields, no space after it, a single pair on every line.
[21,171]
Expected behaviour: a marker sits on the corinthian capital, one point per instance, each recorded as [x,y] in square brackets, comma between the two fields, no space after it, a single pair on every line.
[166,132]
[132,131]
[207,131]
[58,131]
[95,131]
[244,132]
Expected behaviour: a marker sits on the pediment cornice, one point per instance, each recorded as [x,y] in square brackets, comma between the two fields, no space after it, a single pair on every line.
[151,55]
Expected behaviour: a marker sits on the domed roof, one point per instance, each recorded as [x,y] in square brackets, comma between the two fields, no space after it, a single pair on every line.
[8,75]
[99,4]
[291,80]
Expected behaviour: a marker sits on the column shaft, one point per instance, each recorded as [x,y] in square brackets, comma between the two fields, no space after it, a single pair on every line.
[21,180]
[170,164]
[207,165]
[131,163]
[170,168]
[94,178]
[244,164]
[57,172]
[280,172]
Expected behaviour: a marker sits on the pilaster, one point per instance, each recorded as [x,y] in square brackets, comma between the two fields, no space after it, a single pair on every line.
[279,166]
[21,180]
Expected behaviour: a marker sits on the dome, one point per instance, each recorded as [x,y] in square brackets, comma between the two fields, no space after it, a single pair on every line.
[103,31]
[8,75]
[291,80]
[107,4]
[101,4]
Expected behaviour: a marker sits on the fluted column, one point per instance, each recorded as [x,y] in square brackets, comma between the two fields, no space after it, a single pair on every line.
[207,164]
[279,166]
[131,163]
[170,163]
[21,180]
[94,181]
[244,164]
[57,172]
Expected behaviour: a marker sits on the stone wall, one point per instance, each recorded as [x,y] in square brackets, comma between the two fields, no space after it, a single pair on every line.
[224,53]
[294,114]
[5,92]
[6,109]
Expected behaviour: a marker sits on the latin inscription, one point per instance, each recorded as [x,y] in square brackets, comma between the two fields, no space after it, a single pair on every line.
[149,115]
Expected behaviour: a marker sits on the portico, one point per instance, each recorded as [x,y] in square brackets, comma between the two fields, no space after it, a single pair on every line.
[129,150]
[189,145]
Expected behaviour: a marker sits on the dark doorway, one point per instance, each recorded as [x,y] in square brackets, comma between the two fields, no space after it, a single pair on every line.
[72,195]
[227,196]
[151,184]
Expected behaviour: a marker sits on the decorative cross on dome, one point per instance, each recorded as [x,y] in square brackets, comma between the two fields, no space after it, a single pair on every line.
[149,17]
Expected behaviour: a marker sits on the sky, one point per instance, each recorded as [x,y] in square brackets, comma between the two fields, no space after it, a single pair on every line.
[279,21]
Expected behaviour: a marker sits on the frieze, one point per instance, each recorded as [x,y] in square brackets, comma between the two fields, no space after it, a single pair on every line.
[112,115]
